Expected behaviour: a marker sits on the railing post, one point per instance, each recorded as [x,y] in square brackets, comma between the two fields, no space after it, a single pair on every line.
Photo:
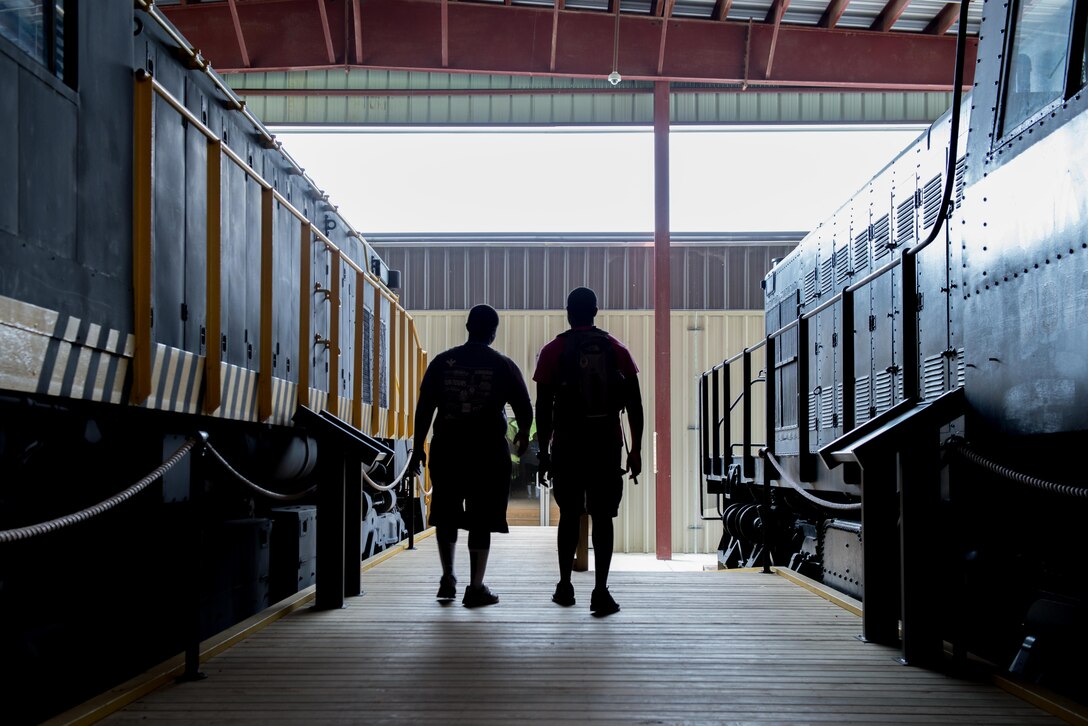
[704,428]
[375,377]
[357,383]
[196,549]
[142,174]
[911,388]
[305,293]
[264,367]
[333,404]
[769,471]
[721,426]
[748,463]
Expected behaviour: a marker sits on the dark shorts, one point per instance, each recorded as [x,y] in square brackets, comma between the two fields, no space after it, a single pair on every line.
[471,485]
[588,481]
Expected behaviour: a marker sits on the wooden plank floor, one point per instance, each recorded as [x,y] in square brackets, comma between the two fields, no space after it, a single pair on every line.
[692,647]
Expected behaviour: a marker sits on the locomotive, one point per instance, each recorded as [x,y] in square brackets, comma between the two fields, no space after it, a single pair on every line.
[181,306]
[911,419]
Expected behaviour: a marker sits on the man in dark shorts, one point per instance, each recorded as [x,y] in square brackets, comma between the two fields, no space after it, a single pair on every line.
[469,387]
[585,378]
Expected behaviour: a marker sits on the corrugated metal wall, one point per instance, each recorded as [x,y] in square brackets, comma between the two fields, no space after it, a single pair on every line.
[504,100]
[700,339]
[711,277]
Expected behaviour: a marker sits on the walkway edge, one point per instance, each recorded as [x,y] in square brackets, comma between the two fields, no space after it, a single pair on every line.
[116,698]
[844,601]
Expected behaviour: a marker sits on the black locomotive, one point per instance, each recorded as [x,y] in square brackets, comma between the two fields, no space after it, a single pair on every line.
[908,430]
[172,281]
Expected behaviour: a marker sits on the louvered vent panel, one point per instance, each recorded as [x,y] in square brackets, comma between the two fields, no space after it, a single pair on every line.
[827,275]
[961,368]
[368,355]
[898,390]
[861,400]
[861,252]
[883,391]
[838,405]
[842,266]
[810,286]
[814,410]
[961,172]
[827,408]
[904,221]
[931,201]
[933,376]
[383,373]
[881,236]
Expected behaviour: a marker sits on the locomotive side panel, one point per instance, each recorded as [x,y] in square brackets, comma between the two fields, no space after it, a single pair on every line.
[1025,239]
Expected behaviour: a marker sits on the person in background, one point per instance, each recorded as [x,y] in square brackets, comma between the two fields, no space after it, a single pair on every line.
[468,387]
[585,378]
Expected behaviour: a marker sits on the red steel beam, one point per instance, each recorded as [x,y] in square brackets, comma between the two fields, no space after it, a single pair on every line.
[834,11]
[944,20]
[326,31]
[721,10]
[662,328]
[493,38]
[889,15]
[774,16]
[236,23]
[555,32]
[668,5]
[357,19]
[445,34]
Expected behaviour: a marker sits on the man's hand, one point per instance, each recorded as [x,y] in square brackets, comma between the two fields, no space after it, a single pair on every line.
[634,462]
[521,442]
[416,462]
[545,464]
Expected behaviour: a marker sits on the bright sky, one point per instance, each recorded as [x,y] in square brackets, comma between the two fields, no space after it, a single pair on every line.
[546,180]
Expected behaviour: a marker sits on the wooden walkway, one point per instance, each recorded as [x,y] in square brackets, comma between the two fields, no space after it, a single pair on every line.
[688,647]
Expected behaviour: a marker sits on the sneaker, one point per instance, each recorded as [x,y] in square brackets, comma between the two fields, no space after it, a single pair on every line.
[447,588]
[478,597]
[564,594]
[602,604]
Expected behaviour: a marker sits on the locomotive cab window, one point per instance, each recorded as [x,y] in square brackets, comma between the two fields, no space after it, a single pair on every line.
[44,30]
[1038,55]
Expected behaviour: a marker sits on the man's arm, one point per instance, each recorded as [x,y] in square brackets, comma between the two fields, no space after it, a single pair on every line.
[545,396]
[523,408]
[425,408]
[635,418]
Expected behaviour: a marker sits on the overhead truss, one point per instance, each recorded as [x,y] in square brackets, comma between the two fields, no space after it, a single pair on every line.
[507,38]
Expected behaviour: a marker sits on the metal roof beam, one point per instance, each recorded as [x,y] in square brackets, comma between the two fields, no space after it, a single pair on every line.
[944,20]
[517,40]
[834,11]
[889,15]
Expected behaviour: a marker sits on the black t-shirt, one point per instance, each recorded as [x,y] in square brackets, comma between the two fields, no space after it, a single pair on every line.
[470,386]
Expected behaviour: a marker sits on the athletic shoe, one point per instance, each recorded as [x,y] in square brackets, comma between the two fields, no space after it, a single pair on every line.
[447,588]
[564,594]
[478,597]
[602,604]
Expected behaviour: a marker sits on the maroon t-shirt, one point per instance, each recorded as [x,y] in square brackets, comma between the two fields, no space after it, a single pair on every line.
[547,373]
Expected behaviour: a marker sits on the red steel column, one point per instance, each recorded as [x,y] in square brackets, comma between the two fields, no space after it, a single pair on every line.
[662,329]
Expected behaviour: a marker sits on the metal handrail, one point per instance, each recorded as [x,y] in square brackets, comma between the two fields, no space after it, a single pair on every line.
[400,395]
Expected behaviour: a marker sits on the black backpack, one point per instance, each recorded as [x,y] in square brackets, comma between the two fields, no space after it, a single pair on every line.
[590,383]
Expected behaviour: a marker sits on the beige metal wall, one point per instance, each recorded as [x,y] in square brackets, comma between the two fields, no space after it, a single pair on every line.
[700,339]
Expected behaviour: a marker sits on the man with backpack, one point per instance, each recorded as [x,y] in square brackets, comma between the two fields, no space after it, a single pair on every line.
[585,378]
[468,387]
